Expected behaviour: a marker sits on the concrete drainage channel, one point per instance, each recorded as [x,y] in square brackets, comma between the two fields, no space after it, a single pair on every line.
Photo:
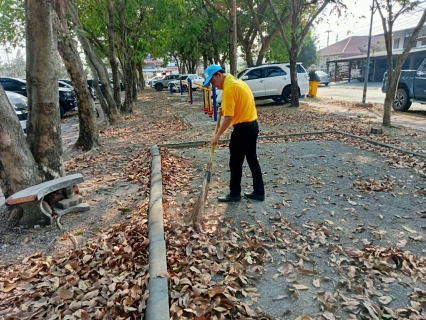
[158,301]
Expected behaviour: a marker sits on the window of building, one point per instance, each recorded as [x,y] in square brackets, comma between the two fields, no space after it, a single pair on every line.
[406,39]
[396,43]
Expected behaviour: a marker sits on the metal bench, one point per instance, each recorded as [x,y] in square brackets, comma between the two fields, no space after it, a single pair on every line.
[36,211]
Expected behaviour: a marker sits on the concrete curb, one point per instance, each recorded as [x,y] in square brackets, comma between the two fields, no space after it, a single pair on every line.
[157,307]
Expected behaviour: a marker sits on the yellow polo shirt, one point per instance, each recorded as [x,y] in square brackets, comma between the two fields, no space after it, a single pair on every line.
[238,101]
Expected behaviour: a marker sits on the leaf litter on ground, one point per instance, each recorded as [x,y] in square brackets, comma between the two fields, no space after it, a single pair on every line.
[212,275]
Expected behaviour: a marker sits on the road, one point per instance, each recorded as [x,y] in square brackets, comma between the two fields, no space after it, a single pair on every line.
[352,91]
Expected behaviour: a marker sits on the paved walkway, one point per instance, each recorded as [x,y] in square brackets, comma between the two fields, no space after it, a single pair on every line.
[198,119]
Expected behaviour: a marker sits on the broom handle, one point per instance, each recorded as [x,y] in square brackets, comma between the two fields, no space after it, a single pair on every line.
[214,146]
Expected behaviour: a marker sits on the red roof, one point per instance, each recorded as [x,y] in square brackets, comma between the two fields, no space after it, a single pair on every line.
[352,46]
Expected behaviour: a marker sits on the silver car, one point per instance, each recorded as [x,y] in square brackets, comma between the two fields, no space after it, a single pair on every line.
[324,78]
[20,105]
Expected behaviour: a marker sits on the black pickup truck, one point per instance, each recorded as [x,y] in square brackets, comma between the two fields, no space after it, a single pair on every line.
[411,87]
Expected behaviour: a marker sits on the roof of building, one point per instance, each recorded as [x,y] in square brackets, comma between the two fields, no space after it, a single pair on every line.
[352,46]
[381,54]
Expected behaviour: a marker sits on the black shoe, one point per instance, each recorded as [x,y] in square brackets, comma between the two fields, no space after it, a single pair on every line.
[229,198]
[252,196]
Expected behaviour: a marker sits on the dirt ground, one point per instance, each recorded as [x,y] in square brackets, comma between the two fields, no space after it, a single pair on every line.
[117,179]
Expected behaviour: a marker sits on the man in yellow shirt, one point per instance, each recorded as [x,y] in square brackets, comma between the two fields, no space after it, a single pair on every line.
[239,110]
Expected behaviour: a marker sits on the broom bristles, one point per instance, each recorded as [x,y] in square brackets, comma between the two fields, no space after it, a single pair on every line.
[198,211]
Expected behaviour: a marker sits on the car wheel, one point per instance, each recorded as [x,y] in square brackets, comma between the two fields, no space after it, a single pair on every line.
[402,100]
[184,88]
[286,95]
[159,87]
[326,84]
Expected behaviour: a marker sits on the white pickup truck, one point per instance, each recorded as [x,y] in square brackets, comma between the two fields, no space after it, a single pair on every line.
[195,79]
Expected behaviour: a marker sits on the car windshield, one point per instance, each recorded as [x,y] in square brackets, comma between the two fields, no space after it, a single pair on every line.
[241,73]
[300,69]
[17,100]
[182,77]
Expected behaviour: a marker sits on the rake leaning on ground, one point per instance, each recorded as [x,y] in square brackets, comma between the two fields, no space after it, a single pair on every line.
[198,211]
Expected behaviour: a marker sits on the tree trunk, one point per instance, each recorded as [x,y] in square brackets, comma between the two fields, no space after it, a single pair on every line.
[104,105]
[112,56]
[88,137]
[141,79]
[293,76]
[249,56]
[101,71]
[135,81]
[128,77]
[18,169]
[43,125]
[127,106]
[140,75]
[265,46]
[393,72]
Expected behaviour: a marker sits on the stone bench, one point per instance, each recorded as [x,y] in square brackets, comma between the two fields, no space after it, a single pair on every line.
[36,211]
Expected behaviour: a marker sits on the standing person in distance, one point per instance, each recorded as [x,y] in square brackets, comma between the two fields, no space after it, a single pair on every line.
[239,110]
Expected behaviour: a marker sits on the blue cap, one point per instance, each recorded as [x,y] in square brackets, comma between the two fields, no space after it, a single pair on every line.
[209,72]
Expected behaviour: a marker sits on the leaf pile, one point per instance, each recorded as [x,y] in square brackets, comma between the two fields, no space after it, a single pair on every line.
[173,125]
[107,279]
[370,185]
[210,275]
[375,267]
[138,169]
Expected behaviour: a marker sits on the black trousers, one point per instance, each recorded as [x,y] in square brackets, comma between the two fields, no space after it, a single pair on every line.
[243,146]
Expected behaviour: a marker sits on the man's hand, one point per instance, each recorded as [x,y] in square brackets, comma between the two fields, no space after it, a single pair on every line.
[226,122]
[219,111]
[215,139]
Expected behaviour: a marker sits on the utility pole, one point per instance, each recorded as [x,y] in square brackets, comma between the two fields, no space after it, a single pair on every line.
[328,35]
[233,36]
[367,71]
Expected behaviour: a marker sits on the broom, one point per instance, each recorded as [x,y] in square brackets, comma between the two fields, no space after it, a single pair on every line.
[198,211]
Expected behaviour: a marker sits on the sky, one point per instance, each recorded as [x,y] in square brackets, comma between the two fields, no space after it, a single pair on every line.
[356,22]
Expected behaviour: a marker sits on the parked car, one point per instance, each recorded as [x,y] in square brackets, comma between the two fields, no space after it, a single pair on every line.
[323,77]
[272,81]
[66,81]
[67,98]
[411,87]
[68,84]
[149,82]
[175,85]
[63,84]
[163,83]
[20,105]
[111,82]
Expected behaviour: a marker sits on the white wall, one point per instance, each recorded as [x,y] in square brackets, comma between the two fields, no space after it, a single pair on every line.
[399,36]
